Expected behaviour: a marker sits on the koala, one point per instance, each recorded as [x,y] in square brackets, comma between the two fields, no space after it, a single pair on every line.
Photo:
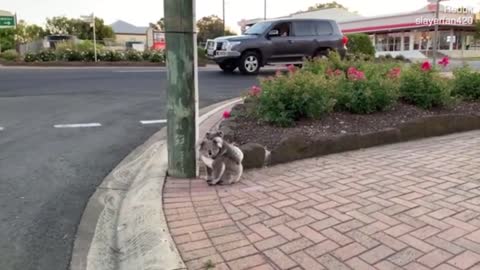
[223,160]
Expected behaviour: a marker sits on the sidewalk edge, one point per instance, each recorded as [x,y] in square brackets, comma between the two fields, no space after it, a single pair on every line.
[123,224]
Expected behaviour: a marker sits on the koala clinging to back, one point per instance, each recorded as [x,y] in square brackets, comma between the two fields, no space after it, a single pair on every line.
[223,160]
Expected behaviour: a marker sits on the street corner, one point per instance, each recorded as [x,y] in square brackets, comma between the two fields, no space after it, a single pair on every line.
[374,208]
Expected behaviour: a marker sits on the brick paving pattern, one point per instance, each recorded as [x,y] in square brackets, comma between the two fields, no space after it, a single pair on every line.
[413,205]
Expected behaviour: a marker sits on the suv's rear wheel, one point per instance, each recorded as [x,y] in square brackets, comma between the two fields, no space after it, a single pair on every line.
[249,63]
[322,53]
[228,66]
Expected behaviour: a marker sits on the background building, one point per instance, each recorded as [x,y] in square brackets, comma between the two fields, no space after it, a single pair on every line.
[129,36]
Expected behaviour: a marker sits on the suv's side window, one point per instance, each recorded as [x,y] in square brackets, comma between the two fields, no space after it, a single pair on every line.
[305,29]
[284,29]
[324,28]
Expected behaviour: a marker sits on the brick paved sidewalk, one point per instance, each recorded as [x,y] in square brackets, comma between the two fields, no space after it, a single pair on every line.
[406,206]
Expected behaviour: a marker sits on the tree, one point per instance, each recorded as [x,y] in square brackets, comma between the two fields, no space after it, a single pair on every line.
[79,28]
[7,39]
[211,27]
[28,32]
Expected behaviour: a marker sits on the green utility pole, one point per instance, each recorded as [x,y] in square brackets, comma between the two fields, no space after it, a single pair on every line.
[182,85]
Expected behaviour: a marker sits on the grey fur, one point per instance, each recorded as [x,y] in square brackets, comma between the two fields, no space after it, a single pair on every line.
[222,160]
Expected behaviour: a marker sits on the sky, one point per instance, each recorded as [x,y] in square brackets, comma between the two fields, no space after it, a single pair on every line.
[141,12]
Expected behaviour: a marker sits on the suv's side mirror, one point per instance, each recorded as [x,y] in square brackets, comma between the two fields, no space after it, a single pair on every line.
[274,33]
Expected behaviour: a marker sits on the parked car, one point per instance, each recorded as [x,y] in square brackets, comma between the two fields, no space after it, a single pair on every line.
[282,41]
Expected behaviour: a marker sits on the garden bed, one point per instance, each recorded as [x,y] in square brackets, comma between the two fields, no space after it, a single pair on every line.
[265,144]
[249,130]
[332,106]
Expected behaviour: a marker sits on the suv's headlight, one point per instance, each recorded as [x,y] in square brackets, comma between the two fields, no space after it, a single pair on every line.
[228,45]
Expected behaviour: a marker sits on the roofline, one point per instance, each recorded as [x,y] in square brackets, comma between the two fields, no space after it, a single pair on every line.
[388,16]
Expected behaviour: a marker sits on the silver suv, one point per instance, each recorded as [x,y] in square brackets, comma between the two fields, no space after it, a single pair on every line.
[284,41]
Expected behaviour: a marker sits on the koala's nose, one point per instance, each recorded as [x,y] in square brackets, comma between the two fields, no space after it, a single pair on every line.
[209,153]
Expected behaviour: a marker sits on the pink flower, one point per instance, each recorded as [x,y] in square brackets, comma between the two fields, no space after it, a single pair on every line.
[255,91]
[329,72]
[444,62]
[291,68]
[394,73]
[355,74]
[335,73]
[426,66]
[226,114]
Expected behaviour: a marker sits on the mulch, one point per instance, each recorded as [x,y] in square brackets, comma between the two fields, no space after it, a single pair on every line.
[249,130]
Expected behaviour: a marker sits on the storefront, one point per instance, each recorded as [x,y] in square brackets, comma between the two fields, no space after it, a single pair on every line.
[414,31]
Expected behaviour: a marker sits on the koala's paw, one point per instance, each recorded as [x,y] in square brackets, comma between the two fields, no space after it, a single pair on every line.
[210,182]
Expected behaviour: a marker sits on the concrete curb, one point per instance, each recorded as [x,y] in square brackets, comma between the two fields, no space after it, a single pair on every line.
[123,225]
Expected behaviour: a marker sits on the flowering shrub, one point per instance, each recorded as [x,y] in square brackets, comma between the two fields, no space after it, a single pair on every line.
[288,98]
[30,57]
[157,57]
[360,94]
[422,86]
[466,83]
[134,56]
[46,56]
[444,62]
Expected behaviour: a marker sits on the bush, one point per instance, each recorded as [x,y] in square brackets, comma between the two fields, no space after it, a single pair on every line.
[89,55]
[30,57]
[46,56]
[157,57]
[425,88]
[400,58]
[9,55]
[133,56]
[466,83]
[146,55]
[288,98]
[367,95]
[71,55]
[360,43]
[202,56]
[112,56]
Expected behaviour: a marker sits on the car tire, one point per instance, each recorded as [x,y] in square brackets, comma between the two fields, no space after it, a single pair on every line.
[249,63]
[228,67]
[321,53]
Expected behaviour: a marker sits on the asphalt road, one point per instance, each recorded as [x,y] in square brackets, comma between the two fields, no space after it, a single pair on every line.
[47,174]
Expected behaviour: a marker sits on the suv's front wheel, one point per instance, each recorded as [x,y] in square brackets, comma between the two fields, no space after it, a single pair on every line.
[228,67]
[249,63]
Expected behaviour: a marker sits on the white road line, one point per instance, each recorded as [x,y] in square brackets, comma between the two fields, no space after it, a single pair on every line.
[78,125]
[151,122]
[139,71]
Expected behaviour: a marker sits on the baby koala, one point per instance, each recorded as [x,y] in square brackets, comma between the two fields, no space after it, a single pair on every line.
[222,160]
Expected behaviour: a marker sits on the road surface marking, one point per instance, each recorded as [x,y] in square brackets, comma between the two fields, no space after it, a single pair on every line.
[139,71]
[151,122]
[78,125]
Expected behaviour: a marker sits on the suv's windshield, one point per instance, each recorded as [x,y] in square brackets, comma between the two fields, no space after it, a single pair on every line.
[258,28]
